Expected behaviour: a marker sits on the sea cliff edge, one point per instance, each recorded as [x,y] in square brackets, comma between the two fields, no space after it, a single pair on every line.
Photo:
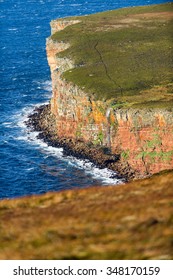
[134,142]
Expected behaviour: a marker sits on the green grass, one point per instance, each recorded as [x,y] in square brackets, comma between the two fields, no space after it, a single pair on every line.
[123,55]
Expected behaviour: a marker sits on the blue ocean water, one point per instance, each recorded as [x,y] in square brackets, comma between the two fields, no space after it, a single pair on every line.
[27,165]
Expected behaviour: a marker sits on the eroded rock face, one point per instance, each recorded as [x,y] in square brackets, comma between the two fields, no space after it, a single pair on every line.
[143,138]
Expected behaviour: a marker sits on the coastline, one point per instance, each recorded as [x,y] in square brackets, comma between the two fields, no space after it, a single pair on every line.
[128,130]
[132,220]
[43,121]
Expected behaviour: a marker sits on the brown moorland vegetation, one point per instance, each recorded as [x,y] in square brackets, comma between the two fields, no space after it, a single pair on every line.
[130,221]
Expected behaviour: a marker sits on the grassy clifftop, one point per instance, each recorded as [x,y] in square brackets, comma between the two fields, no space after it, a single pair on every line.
[124,55]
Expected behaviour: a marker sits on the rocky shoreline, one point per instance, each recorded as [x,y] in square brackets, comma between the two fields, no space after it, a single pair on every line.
[43,120]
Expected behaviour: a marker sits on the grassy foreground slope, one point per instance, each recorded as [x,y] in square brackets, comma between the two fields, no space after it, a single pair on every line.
[124,55]
[132,221]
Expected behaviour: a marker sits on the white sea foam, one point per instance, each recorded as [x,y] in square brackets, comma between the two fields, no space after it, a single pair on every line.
[29,169]
[13,29]
[75,5]
[8,124]
[47,85]
[105,175]
[22,116]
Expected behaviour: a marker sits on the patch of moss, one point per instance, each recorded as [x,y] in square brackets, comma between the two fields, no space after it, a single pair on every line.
[99,139]
[125,154]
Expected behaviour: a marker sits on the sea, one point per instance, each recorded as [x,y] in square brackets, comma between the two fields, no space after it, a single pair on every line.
[28,165]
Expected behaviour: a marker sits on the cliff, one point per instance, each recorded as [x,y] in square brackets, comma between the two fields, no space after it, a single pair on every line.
[141,135]
[118,113]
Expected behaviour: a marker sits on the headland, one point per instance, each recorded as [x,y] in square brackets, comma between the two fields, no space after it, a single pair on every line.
[112,89]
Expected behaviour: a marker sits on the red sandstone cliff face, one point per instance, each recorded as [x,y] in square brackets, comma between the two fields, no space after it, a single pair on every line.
[143,138]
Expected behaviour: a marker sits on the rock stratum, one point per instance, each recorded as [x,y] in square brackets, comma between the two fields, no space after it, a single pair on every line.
[141,136]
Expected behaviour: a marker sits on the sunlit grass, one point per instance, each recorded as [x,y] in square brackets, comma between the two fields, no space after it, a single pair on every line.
[122,54]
